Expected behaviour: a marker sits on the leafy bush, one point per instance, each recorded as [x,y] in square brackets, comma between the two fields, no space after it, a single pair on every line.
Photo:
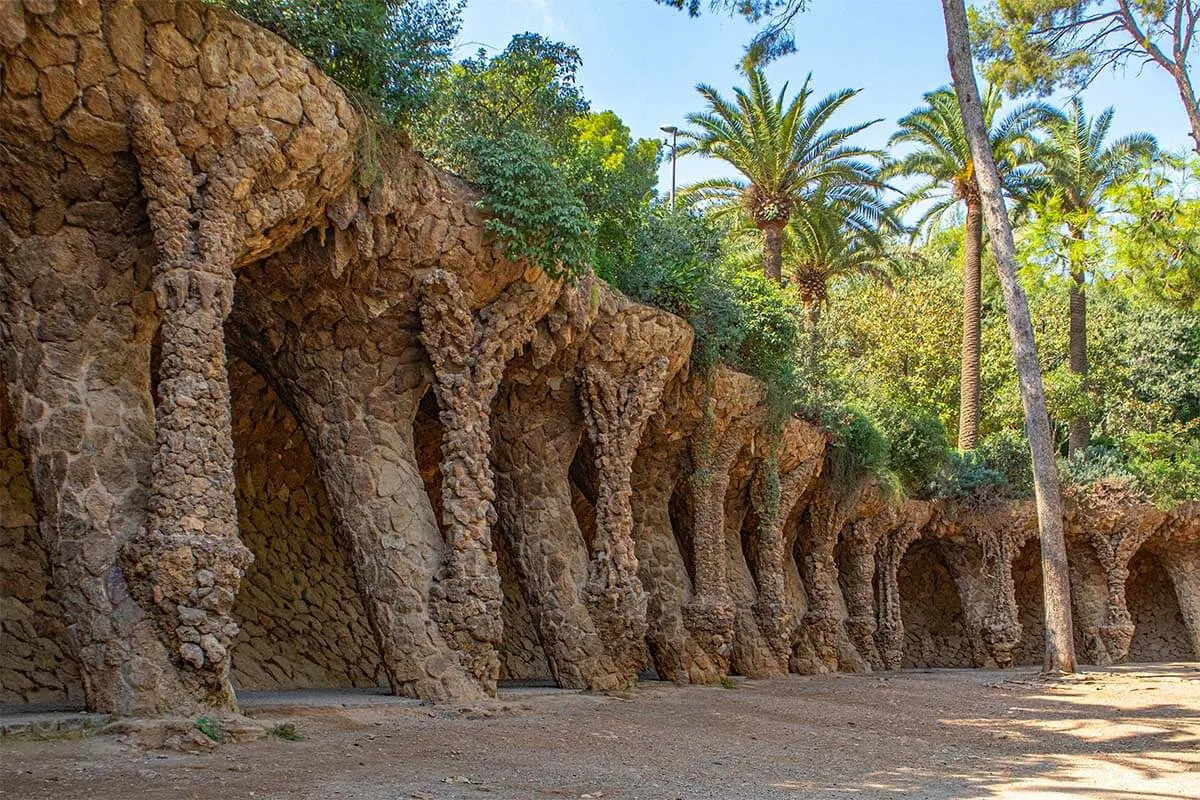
[674,257]
[967,475]
[1007,452]
[386,52]
[857,440]
[1096,463]
[1167,462]
[918,448]
[1000,466]
[567,186]
[536,215]
[211,728]
[527,88]
[770,326]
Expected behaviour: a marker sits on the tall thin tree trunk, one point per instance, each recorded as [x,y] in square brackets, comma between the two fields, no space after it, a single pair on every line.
[1079,428]
[1188,95]
[968,402]
[772,234]
[1060,646]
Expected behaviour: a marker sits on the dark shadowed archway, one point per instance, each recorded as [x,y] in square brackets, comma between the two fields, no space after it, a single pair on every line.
[1159,633]
[935,627]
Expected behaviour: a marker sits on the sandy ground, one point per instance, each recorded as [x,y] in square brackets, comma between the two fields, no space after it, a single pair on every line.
[1126,733]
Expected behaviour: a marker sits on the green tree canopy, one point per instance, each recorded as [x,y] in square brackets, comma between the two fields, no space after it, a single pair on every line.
[1038,45]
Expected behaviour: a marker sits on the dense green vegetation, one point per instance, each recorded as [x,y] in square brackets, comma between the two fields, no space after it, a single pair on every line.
[835,273]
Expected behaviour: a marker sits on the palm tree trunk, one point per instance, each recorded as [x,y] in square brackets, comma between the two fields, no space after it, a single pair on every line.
[968,403]
[1056,587]
[813,307]
[772,234]
[1079,428]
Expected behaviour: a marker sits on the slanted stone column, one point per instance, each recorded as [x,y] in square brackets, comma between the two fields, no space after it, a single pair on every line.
[661,568]
[709,615]
[889,634]
[999,628]
[857,572]
[187,562]
[776,496]
[469,353]
[828,512]
[616,411]
[1116,523]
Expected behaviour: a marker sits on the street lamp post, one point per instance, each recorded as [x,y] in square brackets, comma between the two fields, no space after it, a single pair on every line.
[671,129]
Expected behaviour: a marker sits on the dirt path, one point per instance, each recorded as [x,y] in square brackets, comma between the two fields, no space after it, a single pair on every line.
[1127,733]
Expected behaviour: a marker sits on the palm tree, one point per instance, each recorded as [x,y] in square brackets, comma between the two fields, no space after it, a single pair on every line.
[782,150]
[1078,171]
[943,158]
[842,232]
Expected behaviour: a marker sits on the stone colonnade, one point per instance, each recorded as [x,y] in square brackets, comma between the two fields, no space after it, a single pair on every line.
[176,185]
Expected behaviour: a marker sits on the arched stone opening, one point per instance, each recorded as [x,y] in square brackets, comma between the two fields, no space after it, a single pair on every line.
[1159,633]
[1027,585]
[935,626]
[302,620]
[37,667]
[582,477]
[682,511]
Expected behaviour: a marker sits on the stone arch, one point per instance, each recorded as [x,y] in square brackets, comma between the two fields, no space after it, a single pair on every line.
[37,666]
[936,631]
[682,510]
[582,478]
[1159,633]
[302,620]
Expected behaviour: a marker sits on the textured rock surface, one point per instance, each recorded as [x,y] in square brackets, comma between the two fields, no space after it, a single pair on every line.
[36,662]
[301,616]
[440,467]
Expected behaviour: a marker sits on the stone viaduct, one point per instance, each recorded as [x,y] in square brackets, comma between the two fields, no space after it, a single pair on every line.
[265,424]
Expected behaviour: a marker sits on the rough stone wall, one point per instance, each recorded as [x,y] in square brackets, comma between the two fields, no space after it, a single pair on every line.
[36,662]
[301,615]
[1027,579]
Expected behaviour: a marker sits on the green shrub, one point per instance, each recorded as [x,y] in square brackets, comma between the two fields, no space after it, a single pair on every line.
[386,52]
[674,257]
[1167,462]
[211,728]
[1096,463]
[770,323]
[535,213]
[1000,466]
[1007,452]
[856,440]
[967,475]
[919,445]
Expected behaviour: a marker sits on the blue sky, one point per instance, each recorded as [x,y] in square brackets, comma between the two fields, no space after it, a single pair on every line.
[643,60]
